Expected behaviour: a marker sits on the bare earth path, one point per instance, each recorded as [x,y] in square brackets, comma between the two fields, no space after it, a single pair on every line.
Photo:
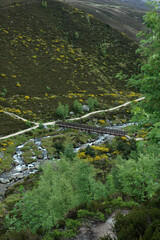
[100,230]
[72,119]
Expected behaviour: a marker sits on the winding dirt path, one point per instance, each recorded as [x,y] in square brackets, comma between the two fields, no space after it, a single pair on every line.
[71,119]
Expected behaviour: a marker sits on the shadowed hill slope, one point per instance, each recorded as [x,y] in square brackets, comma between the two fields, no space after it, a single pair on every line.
[125,16]
[57,54]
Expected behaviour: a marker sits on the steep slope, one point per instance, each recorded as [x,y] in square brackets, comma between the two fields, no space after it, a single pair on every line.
[58,53]
[125,16]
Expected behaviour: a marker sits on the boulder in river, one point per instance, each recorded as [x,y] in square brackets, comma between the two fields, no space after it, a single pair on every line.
[19,176]
[4,180]
[24,168]
[36,165]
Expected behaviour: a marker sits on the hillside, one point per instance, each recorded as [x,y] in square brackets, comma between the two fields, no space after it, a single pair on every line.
[59,53]
[125,16]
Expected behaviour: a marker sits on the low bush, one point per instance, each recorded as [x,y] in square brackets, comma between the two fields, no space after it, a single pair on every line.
[141,223]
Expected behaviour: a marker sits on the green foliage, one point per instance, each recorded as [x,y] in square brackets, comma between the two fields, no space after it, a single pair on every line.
[141,223]
[40,126]
[88,19]
[136,178]
[4,91]
[148,80]
[90,151]
[119,202]
[103,49]
[125,147]
[76,34]
[140,116]
[62,110]
[57,192]
[77,106]
[82,213]
[154,133]
[92,103]
[69,152]
[44,4]
[70,223]
[59,146]
[48,88]
[28,123]
[121,76]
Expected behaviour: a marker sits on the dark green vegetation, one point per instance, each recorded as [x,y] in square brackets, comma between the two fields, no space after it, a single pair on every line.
[52,54]
[148,81]
[125,16]
[10,125]
[71,184]
[141,223]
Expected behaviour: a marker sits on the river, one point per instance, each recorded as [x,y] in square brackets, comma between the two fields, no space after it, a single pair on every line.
[21,169]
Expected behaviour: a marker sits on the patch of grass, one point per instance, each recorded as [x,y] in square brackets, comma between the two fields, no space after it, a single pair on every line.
[11,200]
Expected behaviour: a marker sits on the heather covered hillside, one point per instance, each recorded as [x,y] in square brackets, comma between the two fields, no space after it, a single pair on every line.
[59,53]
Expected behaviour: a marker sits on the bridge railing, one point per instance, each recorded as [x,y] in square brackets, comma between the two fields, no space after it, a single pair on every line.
[84,127]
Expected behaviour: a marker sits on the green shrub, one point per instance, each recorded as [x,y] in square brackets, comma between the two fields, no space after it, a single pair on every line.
[72,224]
[69,152]
[89,151]
[4,91]
[28,123]
[82,213]
[92,103]
[59,146]
[135,178]
[69,234]
[44,4]
[119,202]
[62,110]
[77,106]
[40,126]
[138,224]
[76,34]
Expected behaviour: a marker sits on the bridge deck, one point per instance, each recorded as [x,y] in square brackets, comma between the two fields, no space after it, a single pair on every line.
[87,128]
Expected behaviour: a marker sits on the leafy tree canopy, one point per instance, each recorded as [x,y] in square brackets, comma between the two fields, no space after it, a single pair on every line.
[148,81]
[59,190]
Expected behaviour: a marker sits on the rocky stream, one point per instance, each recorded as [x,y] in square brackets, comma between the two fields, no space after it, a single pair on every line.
[21,169]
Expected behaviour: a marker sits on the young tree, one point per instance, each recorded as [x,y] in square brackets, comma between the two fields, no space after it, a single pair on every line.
[136,178]
[58,191]
[77,106]
[69,152]
[92,103]
[62,110]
